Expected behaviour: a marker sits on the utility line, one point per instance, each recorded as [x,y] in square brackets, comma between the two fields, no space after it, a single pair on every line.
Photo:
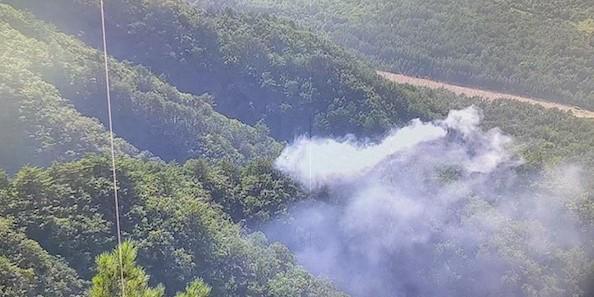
[113,159]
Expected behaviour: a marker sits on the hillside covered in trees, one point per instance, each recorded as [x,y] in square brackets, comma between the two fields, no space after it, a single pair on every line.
[260,70]
[204,104]
[538,48]
[148,112]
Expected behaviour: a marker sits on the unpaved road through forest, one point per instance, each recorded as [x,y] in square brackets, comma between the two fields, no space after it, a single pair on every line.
[489,95]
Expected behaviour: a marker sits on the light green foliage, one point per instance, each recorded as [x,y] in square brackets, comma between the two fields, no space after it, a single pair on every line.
[107,281]
[15,281]
[196,289]
[289,285]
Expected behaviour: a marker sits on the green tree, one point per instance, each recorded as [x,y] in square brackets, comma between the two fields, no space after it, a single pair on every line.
[107,282]
[197,288]
[28,270]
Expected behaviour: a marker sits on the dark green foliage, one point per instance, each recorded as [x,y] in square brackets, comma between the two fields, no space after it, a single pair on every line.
[555,134]
[269,73]
[68,209]
[253,194]
[259,69]
[149,113]
[538,48]
[27,270]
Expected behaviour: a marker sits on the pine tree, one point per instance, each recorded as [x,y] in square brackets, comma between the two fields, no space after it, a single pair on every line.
[107,282]
[197,288]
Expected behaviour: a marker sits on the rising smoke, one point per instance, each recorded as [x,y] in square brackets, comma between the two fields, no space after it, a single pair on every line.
[435,209]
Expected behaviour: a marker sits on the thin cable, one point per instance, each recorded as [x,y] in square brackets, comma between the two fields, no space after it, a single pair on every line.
[113,159]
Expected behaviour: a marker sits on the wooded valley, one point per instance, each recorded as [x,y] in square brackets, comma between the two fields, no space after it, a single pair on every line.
[209,98]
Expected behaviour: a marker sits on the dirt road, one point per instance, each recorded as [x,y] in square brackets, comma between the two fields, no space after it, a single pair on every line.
[403,79]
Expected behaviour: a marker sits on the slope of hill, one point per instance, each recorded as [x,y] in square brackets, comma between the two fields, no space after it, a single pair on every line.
[67,210]
[149,113]
[180,233]
[361,101]
[192,221]
[259,69]
[28,270]
[38,126]
[533,48]
[233,52]
[371,105]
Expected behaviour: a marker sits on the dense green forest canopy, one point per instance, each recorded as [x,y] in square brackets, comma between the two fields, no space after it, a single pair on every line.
[26,269]
[538,48]
[136,283]
[547,130]
[217,92]
[35,118]
[259,69]
[45,68]
[148,112]
[182,235]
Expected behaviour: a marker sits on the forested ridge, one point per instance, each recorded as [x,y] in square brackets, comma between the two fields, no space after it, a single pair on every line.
[538,48]
[35,117]
[203,104]
[67,208]
[148,112]
[259,69]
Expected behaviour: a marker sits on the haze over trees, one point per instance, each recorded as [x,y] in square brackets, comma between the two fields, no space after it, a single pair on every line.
[204,104]
[538,48]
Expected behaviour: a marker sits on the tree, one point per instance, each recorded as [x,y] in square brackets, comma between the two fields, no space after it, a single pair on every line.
[107,282]
[197,288]
[26,269]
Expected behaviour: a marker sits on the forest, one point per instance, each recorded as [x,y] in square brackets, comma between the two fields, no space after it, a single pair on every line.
[209,102]
[534,48]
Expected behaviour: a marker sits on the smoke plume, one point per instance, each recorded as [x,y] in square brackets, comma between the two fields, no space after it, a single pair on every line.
[435,209]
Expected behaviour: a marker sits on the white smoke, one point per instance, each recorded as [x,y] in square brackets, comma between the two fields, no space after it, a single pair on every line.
[435,209]
[321,161]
